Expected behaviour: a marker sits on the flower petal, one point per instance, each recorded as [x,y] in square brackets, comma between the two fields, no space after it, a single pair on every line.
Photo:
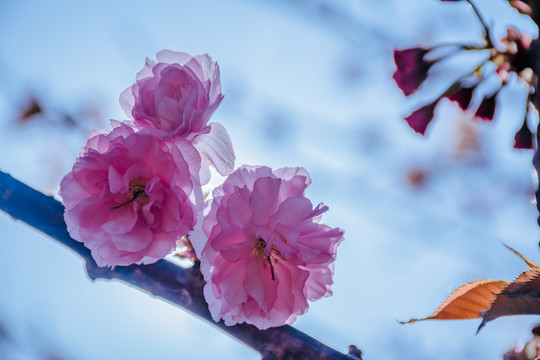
[216,146]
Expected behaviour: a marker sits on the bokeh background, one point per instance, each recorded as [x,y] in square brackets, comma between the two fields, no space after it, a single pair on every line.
[306,83]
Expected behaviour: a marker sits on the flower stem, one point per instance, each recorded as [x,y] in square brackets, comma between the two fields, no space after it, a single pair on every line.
[483,22]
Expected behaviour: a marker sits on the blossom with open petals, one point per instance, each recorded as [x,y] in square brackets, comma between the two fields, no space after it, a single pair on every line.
[175,96]
[266,254]
[131,195]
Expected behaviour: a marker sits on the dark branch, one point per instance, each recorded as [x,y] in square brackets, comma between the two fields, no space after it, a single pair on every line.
[163,279]
[532,60]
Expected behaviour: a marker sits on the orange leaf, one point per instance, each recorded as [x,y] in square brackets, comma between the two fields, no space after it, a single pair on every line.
[468,301]
[531,264]
[528,284]
[522,297]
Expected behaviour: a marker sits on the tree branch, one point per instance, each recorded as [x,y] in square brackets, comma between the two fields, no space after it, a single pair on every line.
[532,60]
[163,279]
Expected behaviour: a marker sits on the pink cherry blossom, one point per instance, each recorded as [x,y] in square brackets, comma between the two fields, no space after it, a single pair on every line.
[266,254]
[131,195]
[175,96]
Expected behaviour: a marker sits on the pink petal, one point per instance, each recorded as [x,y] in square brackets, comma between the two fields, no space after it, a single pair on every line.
[216,146]
[259,284]
[264,199]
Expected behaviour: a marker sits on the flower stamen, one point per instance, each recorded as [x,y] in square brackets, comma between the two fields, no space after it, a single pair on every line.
[137,192]
[271,267]
[259,248]
[260,245]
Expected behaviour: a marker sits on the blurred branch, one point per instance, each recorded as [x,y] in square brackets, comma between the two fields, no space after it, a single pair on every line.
[163,279]
[533,61]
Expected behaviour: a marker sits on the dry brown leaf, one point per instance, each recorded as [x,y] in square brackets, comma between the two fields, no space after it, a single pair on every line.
[491,299]
[528,283]
[417,178]
[531,264]
[33,108]
[468,301]
[522,297]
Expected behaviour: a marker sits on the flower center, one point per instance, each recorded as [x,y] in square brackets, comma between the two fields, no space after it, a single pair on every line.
[260,246]
[137,192]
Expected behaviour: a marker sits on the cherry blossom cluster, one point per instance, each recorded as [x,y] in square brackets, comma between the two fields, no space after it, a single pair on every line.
[135,193]
[505,61]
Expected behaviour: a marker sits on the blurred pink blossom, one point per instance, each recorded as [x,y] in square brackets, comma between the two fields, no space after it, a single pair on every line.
[266,253]
[529,351]
[412,69]
[524,139]
[131,195]
[419,119]
[176,96]
[462,95]
[486,110]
